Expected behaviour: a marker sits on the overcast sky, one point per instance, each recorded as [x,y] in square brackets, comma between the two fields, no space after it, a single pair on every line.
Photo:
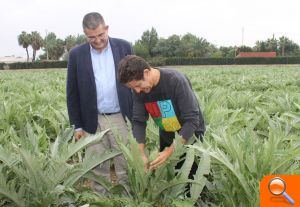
[219,22]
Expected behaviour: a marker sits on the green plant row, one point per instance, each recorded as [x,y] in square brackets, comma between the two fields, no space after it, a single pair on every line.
[252,114]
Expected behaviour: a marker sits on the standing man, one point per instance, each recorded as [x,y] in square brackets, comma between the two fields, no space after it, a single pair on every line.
[95,99]
[168,97]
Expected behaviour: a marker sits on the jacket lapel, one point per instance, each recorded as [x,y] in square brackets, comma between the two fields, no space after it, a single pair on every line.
[116,54]
[88,62]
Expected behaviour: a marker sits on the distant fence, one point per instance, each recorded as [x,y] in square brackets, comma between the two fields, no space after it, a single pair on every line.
[161,61]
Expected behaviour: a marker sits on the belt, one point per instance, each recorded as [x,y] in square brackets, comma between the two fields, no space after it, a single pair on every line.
[107,114]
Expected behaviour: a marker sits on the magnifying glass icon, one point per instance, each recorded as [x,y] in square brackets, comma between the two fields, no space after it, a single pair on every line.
[277,187]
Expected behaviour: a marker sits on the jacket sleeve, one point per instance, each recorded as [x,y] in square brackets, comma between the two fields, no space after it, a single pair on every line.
[188,107]
[73,99]
[139,120]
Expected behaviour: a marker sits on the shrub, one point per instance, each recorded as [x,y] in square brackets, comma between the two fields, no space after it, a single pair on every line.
[38,64]
[231,61]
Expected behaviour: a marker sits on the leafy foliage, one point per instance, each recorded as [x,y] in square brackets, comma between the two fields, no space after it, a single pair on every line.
[252,115]
[30,177]
[164,185]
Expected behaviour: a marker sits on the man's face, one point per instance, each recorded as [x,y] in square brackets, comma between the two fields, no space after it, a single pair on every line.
[98,37]
[141,86]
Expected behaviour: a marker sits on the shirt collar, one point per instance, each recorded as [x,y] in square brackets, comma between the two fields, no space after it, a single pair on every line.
[105,49]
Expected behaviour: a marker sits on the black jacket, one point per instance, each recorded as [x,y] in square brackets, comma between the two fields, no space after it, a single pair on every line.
[81,87]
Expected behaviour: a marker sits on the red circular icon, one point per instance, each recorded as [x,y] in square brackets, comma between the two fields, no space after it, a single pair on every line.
[277,186]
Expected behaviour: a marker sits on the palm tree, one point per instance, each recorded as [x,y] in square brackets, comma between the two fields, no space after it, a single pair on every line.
[36,43]
[24,40]
[80,39]
[55,46]
[70,42]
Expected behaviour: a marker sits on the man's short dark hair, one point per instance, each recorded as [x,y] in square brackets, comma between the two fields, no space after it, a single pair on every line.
[132,68]
[92,20]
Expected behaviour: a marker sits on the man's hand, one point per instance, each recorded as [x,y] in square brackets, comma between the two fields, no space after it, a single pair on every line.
[162,157]
[78,134]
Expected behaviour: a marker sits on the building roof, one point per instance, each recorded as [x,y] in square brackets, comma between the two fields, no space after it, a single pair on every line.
[256,54]
[12,59]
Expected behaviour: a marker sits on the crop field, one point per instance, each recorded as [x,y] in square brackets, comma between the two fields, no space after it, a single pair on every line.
[252,114]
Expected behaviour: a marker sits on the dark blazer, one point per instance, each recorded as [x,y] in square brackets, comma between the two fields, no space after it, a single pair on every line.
[81,87]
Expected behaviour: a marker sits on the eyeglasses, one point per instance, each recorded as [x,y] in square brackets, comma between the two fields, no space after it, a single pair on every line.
[93,38]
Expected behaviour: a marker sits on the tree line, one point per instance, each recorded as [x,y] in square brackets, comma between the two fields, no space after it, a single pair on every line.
[150,45]
[54,48]
[189,45]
